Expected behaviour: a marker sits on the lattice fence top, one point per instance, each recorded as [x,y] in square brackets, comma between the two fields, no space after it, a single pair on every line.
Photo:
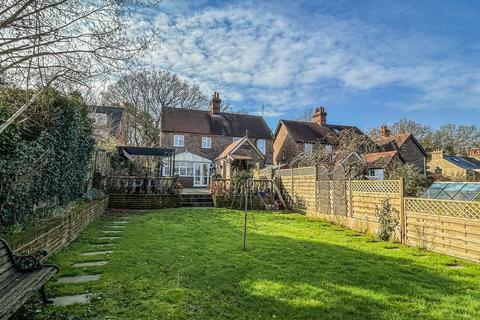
[376,186]
[305,171]
[452,208]
[285,172]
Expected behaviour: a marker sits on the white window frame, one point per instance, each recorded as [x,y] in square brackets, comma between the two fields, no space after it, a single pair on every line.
[206,143]
[308,148]
[181,166]
[262,145]
[178,140]
[378,174]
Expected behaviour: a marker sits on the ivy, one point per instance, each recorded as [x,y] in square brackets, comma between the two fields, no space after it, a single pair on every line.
[44,157]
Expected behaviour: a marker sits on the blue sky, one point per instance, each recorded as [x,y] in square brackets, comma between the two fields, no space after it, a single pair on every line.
[368,62]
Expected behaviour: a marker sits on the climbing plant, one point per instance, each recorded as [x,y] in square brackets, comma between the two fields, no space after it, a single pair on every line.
[45,156]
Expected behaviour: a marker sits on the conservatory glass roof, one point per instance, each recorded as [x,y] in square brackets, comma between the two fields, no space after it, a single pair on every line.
[466,191]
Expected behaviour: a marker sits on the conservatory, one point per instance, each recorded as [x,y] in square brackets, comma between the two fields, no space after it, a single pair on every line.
[463,191]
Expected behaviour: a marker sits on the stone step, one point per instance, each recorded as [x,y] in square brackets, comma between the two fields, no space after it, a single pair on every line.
[89,264]
[69,300]
[79,279]
[97,253]
[197,204]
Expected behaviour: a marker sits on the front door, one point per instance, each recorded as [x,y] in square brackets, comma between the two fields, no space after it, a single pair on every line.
[201,174]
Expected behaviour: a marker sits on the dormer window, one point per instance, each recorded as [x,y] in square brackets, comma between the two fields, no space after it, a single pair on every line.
[178,140]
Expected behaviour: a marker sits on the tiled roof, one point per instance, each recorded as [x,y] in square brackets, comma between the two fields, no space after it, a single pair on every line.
[393,142]
[205,122]
[302,131]
[380,159]
[230,148]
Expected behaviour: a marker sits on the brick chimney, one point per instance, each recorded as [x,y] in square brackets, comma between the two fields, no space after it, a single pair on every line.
[384,131]
[320,116]
[474,153]
[437,154]
[214,106]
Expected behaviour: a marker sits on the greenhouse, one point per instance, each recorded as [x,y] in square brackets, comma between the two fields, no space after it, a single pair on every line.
[463,191]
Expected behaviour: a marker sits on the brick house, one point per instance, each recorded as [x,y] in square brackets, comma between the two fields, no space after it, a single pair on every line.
[407,146]
[200,136]
[454,168]
[295,137]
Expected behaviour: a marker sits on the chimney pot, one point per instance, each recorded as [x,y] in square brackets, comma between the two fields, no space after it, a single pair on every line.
[320,116]
[384,131]
[214,105]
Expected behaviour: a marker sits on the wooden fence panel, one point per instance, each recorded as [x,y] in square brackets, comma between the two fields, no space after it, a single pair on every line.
[446,226]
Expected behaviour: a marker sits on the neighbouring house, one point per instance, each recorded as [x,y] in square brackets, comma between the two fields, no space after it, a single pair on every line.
[379,163]
[201,136]
[457,168]
[108,122]
[407,146]
[295,137]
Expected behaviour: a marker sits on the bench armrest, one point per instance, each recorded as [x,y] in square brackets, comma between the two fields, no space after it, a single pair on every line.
[30,262]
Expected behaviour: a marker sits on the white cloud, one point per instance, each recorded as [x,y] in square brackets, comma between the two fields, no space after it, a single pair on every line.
[251,55]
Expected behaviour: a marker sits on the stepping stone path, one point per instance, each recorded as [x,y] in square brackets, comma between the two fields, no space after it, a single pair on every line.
[108,238]
[89,264]
[69,300]
[96,253]
[107,245]
[79,279]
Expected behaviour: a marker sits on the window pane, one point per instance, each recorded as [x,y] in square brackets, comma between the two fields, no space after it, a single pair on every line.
[261,145]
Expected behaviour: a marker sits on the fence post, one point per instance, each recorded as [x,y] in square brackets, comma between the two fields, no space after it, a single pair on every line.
[403,225]
[291,185]
[350,198]
[315,185]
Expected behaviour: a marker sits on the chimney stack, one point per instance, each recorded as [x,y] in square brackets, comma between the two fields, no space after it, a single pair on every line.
[437,154]
[384,131]
[214,106]
[320,116]
[474,153]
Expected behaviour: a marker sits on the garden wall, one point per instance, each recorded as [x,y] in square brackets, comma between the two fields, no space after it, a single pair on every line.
[59,232]
[446,226]
[143,201]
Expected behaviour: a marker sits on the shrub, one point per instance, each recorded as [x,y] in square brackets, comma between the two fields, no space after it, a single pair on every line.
[415,182]
[388,219]
[45,157]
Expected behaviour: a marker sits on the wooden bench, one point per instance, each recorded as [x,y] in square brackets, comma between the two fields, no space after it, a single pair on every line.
[20,277]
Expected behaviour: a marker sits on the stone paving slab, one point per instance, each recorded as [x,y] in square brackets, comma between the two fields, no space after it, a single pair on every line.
[109,238]
[89,264]
[104,245]
[79,279]
[112,231]
[69,300]
[117,227]
[97,253]
[120,222]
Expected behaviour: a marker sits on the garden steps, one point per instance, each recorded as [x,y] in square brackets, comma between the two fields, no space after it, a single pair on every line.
[197,200]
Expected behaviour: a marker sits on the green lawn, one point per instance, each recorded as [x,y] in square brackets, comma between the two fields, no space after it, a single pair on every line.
[189,264]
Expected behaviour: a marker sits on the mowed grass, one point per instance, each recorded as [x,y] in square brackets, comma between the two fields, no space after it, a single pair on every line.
[189,264]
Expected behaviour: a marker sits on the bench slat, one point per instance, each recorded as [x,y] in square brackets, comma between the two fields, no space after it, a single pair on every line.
[22,290]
